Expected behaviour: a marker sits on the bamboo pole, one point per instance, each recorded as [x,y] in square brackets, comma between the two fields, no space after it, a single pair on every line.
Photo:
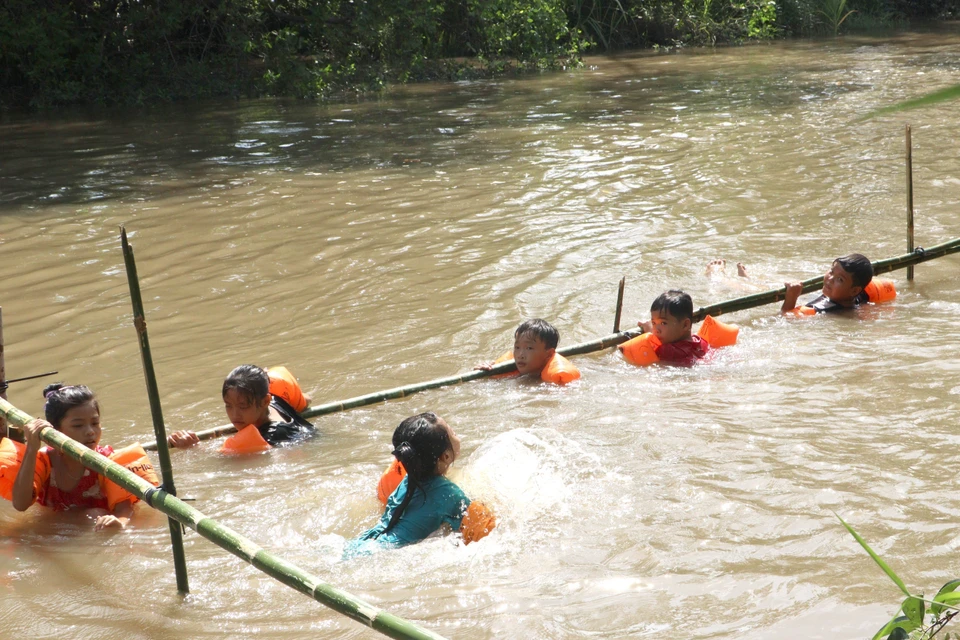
[225,538]
[909,200]
[880,266]
[163,453]
[612,340]
[616,318]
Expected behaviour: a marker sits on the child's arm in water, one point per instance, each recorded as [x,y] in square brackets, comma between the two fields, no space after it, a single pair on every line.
[182,439]
[790,299]
[118,519]
[23,486]
[483,366]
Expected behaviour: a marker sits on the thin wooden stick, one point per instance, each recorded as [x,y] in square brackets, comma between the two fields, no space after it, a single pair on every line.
[166,470]
[909,200]
[33,377]
[616,318]
[226,538]
[738,304]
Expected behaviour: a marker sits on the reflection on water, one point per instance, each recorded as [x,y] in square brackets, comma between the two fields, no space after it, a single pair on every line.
[382,243]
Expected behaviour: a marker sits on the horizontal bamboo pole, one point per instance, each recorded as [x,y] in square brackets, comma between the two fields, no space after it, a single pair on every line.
[776,295]
[605,342]
[224,537]
[612,340]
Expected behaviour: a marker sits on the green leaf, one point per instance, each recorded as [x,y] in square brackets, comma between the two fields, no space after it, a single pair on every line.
[913,608]
[883,565]
[950,93]
[944,600]
[902,623]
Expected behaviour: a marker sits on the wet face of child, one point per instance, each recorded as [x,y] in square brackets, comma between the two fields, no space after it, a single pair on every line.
[243,410]
[530,353]
[668,328]
[838,284]
[82,423]
[450,454]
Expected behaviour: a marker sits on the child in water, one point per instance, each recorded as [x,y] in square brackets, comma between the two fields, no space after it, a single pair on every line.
[54,480]
[425,499]
[535,352]
[843,287]
[671,321]
[248,401]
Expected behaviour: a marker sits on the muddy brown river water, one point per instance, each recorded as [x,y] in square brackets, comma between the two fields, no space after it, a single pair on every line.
[385,242]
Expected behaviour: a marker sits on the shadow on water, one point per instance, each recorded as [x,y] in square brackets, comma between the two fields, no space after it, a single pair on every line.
[172,150]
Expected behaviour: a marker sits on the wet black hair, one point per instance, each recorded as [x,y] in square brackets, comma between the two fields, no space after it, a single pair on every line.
[423,440]
[250,381]
[859,267]
[61,398]
[676,303]
[539,329]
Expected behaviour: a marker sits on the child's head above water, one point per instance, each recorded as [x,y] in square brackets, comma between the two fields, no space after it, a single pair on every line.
[426,446]
[246,396]
[671,316]
[74,411]
[847,277]
[534,343]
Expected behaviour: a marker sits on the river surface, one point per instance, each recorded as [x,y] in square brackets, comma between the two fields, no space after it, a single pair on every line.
[391,241]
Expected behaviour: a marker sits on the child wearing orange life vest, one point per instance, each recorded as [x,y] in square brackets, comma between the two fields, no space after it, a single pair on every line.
[844,287]
[425,499]
[535,352]
[671,321]
[53,480]
[248,401]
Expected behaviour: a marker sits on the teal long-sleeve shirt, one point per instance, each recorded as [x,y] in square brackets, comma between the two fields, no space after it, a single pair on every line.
[435,501]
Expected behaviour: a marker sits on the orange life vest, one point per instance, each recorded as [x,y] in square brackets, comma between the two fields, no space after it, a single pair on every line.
[284,384]
[878,291]
[135,459]
[642,350]
[477,523]
[558,369]
[390,480]
[247,440]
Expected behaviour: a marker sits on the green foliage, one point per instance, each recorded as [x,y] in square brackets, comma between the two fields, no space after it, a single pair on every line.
[943,95]
[910,624]
[56,52]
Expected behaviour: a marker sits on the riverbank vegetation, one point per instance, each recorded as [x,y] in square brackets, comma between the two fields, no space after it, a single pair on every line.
[59,52]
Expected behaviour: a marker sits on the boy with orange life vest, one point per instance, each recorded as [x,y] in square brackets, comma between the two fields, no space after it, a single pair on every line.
[671,321]
[846,285]
[668,336]
[263,406]
[535,352]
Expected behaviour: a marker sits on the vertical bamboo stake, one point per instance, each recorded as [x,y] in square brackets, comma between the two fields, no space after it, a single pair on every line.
[909,200]
[3,378]
[163,453]
[616,319]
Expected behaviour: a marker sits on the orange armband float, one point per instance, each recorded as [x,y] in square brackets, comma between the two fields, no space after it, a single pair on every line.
[285,385]
[390,480]
[642,350]
[559,370]
[477,523]
[135,459]
[247,440]
[802,311]
[879,290]
[11,457]
[718,334]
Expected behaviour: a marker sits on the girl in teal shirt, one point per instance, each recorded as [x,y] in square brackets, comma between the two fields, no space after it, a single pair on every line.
[425,499]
